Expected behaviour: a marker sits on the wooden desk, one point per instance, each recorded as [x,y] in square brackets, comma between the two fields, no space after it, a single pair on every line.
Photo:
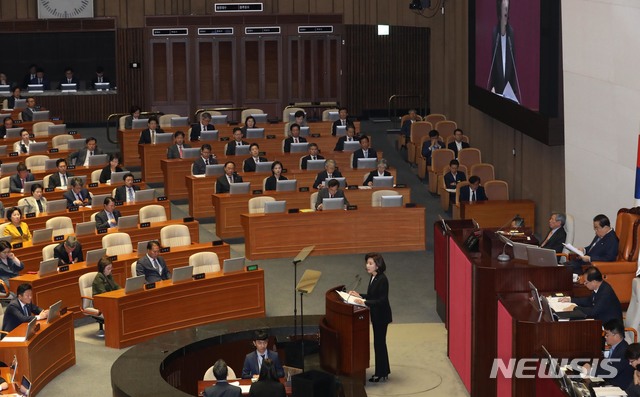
[203,384]
[31,254]
[128,142]
[5,372]
[229,207]
[496,213]
[335,232]
[142,315]
[46,355]
[51,288]
[150,156]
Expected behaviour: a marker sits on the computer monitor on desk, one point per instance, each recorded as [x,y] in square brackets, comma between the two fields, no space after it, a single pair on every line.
[5,89]
[76,143]
[35,88]
[164,138]
[214,170]
[255,133]
[383,181]
[41,115]
[8,168]
[57,129]
[242,150]
[239,188]
[315,164]
[341,130]
[299,147]
[179,121]
[264,166]
[139,123]
[20,104]
[102,86]
[351,146]
[98,159]
[219,119]
[305,131]
[341,180]
[289,185]
[209,135]
[190,153]
[336,203]
[391,201]
[38,147]
[368,163]
[145,195]
[15,132]
[69,87]
[260,117]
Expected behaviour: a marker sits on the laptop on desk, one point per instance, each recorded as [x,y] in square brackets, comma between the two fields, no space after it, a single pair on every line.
[520,251]
[183,273]
[541,256]
[128,222]
[50,266]
[93,256]
[42,235]
[134,284]
[54,312]
[233,265]
[85,228]
[22,338]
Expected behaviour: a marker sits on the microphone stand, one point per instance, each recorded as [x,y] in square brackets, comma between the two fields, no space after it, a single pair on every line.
[515,71]
[495,51]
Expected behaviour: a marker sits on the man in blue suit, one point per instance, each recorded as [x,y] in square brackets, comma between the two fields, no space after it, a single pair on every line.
[473,192]
[603,303]
[614,337]
[253,360]
[603,248]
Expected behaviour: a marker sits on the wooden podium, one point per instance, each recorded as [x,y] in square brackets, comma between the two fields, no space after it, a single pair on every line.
[344,337]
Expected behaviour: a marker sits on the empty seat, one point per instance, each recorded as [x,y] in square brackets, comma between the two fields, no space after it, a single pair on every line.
[434,118]
[61,225]
[152,213]
[121,122]
[440,158]
[41,128]
[95,176]
[5,184]
[36,162]
[445,128]
[117,243]
[256,204]
[483,170]
[133,269]
[47,251]
[496,190]
[204,262]
[165,120]
[175,236]
[312,200]
[376,197]
[61,142]
[469,157]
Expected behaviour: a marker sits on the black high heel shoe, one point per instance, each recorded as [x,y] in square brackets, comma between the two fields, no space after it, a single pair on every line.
[377,379]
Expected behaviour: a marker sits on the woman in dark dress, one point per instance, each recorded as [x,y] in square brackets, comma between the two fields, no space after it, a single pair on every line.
[377,300]
[249,122]
[276,175]
[113,166]
[268,384]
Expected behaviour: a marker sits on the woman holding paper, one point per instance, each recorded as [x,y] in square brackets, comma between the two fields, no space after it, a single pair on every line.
[377,300]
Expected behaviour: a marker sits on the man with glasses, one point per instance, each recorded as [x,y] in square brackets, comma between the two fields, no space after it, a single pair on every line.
[152,266]
[603,303]
[615,368]
[603,248]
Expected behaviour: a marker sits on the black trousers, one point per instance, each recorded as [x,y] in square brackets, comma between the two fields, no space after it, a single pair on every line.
[380,348]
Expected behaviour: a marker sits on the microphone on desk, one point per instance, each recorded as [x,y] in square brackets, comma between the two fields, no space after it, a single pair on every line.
[504,257]
[354,284]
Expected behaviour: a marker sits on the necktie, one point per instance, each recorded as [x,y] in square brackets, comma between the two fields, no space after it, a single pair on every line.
[206,161]
[70,258]
[157,266]
[23,147]
[473,195]
[64,179]
[329,176]
[547,239]
[343,122]
[26,310]
[313,157]
[39,81]
[130,194]
[91,153]
[256,159]
[79,196]
[109,217]
[295,140]
[99,79]
[69,81]
[230,179]
[22,182]
[365,153]
[330,195]
[261,361]
[153,136]
[39,205]
[180,150]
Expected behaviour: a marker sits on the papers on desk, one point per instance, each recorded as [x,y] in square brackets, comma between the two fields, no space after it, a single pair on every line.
[573,249]
[199,176]
[608,391]
[14,339]
[450,190]
[556,305]
[350,299]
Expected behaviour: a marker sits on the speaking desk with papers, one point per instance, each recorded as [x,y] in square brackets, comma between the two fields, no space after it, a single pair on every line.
[334,232]
[229,207]
[48,353]
[135,317]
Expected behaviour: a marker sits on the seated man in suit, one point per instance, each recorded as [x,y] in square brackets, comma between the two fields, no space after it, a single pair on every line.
[69,251]
[69,78]
[27,113]
[205,159]
[457,144]
[329,172]
[29,76]
[15,94]
[313,155]
[380,171]
[222,388]
[203,125]
[614,337]
[108,217]
[603,303]
[6,123]
[61,178]
[77,196]
[452,178]
[253,360]
[343,120]
[149,135]
[99,78]
[294,132]
[152,266]
[603,247]
[35,203]
[365,152]
[41,79]
[134,114]
[18,180]
[81,157]
[249,164]
[237,141]
[21,310]
[301,118]
[557,235]
[405,129]
[473,192]
[127,192]
[175,151]
[349,137]
[434,143]
[332,191]
[223,184]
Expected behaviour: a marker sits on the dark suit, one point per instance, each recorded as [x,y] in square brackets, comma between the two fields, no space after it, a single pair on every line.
[340,143]
[555,241]
[46,84]
[465,194]
[27,114]
[324,193]
[616,359]
[105,175]
[377,300]
[250,164]
[359,154]
[600,250]
[84,194]
[271,183]
[454,147]
[11,102]
[9,270]
[27,79]
[174,153]
[74,80]
[451,181]
[78,158]
[373,174]
[406,128]
[250,366]
[305,159]
[603,305]
[55,180]
[14,315]
[322,175]
[499,77]
[61,253]
[128,122]
[196,129]
[121,193]
[199,167]
[427,149]
[102,220]
[267,388]
[222,184]
[151,275]
[289,141]
[145,135]
[15,183]
[222,389]
[339,123]
[231,147]
[105,79]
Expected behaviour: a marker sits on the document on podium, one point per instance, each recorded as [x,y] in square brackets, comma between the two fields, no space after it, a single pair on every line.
[556,305]
[573,249]
[608,391]
[350,299]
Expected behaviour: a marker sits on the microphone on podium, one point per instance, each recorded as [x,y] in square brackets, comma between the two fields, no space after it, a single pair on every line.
[354,284]
[503,257]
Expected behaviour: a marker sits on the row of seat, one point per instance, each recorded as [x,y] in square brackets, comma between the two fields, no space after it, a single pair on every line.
[256,204]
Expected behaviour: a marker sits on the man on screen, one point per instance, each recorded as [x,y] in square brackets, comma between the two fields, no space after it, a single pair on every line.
[503,77]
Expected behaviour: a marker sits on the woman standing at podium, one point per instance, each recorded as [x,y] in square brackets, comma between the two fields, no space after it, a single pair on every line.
[377,300]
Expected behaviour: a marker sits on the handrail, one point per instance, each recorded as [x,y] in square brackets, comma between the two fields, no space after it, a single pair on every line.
[392,98]
[231,109]
[118,115]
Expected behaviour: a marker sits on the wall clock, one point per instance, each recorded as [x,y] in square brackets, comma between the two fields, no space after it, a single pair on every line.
[62,9]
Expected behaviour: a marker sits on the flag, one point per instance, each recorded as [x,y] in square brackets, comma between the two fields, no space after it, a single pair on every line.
[637,190]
